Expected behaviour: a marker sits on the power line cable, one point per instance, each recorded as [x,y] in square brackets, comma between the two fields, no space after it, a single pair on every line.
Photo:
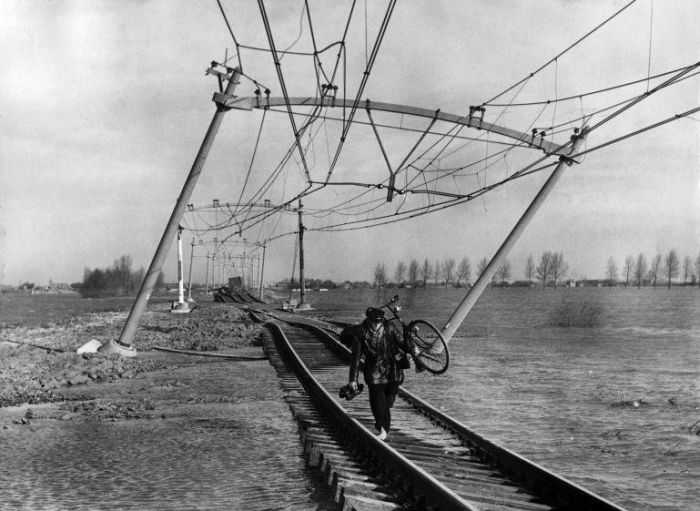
[363,83]
[230,30]
[252,159]
[560,54]
[280,77]
[590,93]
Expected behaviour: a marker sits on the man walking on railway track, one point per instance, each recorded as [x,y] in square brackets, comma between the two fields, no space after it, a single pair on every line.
[380,343]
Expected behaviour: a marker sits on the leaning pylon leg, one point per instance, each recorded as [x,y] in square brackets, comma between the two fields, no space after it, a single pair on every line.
[123,346]
[482,282]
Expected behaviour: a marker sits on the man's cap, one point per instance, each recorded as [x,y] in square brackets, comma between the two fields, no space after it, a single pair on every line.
[374,313]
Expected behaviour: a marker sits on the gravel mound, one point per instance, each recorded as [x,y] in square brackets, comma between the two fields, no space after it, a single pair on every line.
[35,363]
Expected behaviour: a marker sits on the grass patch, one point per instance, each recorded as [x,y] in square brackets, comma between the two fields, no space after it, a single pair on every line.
[576,314]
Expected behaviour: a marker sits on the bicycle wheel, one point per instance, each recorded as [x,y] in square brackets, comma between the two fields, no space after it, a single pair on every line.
[432,354]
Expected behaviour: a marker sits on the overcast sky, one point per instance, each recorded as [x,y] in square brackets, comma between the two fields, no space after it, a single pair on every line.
[104,105]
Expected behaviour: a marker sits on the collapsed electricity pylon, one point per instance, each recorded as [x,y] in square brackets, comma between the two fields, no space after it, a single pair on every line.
[225,100]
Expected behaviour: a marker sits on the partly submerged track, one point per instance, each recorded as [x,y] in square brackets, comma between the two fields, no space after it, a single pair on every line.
[430,461]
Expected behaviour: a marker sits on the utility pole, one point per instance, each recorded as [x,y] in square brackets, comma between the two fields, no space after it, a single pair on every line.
[262,271]
[302,288]
[123,345]
[206,276]
[214,261]
[180,272]
[482,282]
[181,306]
[243,268]
[189,279]
[294,265]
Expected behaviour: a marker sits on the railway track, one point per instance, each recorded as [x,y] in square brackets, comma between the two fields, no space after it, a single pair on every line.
[430,460]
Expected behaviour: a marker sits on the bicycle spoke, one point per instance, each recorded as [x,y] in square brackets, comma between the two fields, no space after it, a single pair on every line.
[432,351]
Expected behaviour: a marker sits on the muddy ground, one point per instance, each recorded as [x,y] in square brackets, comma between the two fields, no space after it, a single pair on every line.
[38,365]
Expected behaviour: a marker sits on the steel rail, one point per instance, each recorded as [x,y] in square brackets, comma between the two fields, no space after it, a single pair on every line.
[550,487]
[395,466]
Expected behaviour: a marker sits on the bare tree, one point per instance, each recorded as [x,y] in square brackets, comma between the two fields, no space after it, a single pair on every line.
[629,264]
[122,270]
[437,272]
[611,272]
[640,270]
[464,271]
[671,265]
[413,272]
[426,271]
[697,268]
[655,269]
[448,269]
[686,269]
[379,275]
[504,271]
[399,273]
[529,269]
[544,269]
[559,267]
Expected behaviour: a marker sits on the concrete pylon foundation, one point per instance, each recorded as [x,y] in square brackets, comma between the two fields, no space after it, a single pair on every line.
[118,348]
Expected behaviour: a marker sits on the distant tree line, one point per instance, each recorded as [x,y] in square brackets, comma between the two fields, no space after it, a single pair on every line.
[638,272]
[550,271]
[312,283]
[445,273]
[119,280]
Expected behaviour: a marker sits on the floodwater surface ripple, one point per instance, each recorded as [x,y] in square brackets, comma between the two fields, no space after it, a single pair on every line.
[614,407]
[206,440]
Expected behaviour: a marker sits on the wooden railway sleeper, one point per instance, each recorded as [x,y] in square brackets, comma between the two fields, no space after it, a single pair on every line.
[353,486]
[548,486]
[425,488]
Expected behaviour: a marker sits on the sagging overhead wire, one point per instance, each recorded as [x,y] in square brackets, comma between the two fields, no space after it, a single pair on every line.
[523,172]
[530,169]
[675,117]
[590,93]
[627,105]
[642,97]
[252,160]
[230,30]
[526,171]
[314,115]
[280,77]
[363,83]
[316,112]
[456,130]
[560,54]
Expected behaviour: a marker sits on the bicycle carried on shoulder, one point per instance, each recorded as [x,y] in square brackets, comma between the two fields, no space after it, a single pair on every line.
[425,343]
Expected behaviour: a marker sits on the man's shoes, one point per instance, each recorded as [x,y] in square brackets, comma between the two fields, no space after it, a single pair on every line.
[382,435]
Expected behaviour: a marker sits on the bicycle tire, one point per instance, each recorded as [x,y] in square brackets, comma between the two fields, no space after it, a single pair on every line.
[433,355]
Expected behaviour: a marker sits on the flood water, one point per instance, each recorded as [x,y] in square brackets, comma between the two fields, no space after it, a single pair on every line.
[613,407]
[215,435]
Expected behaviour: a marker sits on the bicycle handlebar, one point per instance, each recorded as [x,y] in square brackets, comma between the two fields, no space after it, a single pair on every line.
[394,310]
[394,299]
